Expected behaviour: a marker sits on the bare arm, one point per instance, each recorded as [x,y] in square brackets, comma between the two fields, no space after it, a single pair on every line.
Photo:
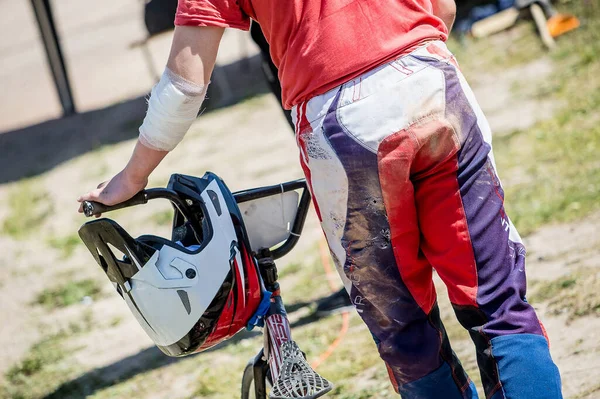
[193,55]
[445,10]
[194,51]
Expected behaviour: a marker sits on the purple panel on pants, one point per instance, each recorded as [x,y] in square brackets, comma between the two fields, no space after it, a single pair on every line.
[408,342]
[500,261]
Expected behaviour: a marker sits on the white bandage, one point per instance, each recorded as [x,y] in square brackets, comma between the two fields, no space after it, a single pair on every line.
[172,108]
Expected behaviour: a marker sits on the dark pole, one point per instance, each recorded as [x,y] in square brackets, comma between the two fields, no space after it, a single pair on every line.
[43,14]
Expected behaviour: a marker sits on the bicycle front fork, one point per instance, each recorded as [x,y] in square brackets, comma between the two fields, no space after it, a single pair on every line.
[291,375]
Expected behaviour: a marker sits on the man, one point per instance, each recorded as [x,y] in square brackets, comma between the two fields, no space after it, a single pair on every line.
[269,69]
[398,157]
[338,301]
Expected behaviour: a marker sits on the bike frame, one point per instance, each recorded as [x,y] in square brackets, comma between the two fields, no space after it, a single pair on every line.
[266,364]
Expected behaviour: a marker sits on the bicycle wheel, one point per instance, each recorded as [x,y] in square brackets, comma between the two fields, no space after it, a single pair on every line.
[248,382]
[541,24]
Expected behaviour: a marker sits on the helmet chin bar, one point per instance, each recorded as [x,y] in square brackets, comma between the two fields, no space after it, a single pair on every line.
[193,291]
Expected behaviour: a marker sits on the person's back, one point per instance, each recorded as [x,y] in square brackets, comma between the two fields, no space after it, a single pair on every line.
[397,155]
[320,44]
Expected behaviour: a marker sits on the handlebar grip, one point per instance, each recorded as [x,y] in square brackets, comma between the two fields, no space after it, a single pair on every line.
[91,208]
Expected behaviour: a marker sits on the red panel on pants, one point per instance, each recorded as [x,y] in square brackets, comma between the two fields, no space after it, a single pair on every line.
[417,169]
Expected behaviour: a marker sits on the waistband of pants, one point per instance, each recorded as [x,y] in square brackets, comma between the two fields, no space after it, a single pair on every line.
[316,108]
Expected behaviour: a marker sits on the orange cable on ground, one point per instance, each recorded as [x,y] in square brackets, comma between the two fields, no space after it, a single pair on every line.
[345,315]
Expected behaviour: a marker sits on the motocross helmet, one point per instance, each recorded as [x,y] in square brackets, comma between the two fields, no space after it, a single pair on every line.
[195,290]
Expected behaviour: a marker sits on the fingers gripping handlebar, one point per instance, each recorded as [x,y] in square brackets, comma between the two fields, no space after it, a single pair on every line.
[91,208]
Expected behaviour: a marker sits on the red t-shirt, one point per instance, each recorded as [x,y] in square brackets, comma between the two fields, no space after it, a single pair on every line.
[320,44]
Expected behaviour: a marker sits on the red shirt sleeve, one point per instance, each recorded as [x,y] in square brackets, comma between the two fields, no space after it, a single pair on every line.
[222,13]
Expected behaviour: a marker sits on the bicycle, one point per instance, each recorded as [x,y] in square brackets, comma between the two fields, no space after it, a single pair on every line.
[274,217]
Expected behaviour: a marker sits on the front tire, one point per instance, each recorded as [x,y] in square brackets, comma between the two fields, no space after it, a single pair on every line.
[247,381]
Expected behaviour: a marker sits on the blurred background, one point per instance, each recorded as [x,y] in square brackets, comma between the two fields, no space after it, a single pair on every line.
[66,334]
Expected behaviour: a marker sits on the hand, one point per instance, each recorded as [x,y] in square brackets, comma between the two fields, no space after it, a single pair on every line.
[118,189]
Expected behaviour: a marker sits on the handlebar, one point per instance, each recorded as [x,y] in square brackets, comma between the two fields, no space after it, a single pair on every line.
[261,192]
[91,208]
[303,205]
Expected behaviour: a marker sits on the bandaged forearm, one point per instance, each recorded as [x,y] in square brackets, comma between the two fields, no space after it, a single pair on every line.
[172,108]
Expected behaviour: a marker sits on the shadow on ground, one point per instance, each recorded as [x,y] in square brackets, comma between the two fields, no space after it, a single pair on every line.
[150,359]
[35,149]
[146,360]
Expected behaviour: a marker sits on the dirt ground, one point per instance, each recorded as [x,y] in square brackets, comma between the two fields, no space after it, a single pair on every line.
[261,153]
[248,145]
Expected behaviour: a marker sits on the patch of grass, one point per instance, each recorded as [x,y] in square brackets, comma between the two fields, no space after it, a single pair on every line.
[563,178]
[46,365]
[26,270]
[41,363]
[29,206]
[206,388]
[345,392]
[162,218]
[66,244]
[68,294]
[290,269]
[576,296]
[554,164]
[42,368]
[498,52]
[83,325]
[115,321]
[577,347]
[67,274]
[454,330]
[357,354]
[550,289]
[101,168]
[552,171]
[310,284]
